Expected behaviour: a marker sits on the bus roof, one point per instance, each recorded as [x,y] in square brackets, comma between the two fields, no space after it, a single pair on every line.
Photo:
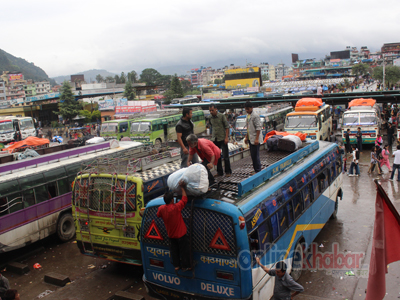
[42,166]
[297,113]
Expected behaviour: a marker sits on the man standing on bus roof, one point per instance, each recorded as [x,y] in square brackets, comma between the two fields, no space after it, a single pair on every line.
[220,137]
[183,128]
[253,124]
[359,139]
[171,213]
[284,283]
[320,90]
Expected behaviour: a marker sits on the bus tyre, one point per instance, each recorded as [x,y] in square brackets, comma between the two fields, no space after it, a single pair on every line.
[334,214]
[297,262]
[65,227]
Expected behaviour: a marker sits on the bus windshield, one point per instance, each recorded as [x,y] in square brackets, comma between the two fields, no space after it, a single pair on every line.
[240,123]
[109,127]
[140,127]
[301,121]
[6,126]
[26,124]
[350,119]
[367,119]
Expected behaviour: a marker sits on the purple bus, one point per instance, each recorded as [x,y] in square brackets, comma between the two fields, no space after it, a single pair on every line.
[35,194]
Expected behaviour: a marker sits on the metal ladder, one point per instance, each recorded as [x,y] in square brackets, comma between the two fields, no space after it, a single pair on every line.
[116,202]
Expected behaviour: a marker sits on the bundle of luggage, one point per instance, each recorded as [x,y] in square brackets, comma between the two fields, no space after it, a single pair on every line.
[284,141]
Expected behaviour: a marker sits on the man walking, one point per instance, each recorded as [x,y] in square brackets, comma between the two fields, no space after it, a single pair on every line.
[183,129]
[220,137]
[207,151]
[284,283]
[253,135]
[171,213]
[359,139]
[347,138]
[354,163]
[396,164]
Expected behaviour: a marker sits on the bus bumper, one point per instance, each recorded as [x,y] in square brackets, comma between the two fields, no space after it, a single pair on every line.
[162,292]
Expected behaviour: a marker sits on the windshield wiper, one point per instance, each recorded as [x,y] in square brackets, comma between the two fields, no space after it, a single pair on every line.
[311,125]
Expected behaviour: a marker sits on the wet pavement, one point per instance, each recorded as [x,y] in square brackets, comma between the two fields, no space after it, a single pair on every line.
[351,232]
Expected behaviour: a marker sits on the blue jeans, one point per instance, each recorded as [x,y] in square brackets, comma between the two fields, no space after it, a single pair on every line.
[353,164]
[255,156]
[394,170]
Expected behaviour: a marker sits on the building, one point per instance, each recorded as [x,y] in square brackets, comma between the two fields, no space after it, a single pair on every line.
[281,70]
[271,72]
[391,50]
[30,90]
[3,95]
[15,87]
[43,87]
[264,67]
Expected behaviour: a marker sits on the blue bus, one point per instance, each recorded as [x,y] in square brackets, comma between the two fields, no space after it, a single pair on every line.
[271,120]
[276,214]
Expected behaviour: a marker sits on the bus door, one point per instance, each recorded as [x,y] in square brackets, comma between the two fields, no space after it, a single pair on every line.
[165,129]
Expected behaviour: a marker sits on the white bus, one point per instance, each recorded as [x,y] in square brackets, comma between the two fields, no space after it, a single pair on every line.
[365,114]
[312,117]
[186,100]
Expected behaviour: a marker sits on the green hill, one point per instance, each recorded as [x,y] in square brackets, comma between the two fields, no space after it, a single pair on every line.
[14,64]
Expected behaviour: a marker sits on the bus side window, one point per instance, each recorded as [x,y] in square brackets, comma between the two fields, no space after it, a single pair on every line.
[52,189]
[63,186]
[42,193]
[297,205]
[275,226]
[15,202]
[338,167]
[321,182]
[282,219]
[315,189]
[29,197]
[289,206]
[264,234]
[307,192]
[254,241]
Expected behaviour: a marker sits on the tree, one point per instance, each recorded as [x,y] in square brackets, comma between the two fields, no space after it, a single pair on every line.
[150,76]
[186,85]
[392,74]
[359,69]
[122,78]
[110,79]
[218,81]
[99,78]
[132,76]
[129,91]
[265,77]
[90,116]
[175,90]
[116,79]
[68,107]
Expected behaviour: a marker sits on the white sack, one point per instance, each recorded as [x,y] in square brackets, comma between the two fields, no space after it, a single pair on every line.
[295,139]
[195,177]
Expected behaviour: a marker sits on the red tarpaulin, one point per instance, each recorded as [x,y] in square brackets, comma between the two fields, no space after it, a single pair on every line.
[385,244]
[30,141]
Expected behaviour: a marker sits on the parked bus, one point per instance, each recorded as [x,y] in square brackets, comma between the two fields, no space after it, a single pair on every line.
[362,113]
[25,125]
[312,117]
[106,207]
[272,119]
[185,100]
[272,214]
[6,130]
[115,129]
[158,128]
[35,194]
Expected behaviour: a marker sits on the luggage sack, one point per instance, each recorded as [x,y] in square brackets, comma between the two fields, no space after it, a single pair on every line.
[289,143]
[272,143]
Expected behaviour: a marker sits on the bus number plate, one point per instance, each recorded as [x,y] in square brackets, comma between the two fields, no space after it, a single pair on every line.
[129,232]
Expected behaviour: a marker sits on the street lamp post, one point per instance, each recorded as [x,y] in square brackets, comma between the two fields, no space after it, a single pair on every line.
[383,57]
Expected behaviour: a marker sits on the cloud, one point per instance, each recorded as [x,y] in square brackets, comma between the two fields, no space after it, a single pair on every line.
[68,37]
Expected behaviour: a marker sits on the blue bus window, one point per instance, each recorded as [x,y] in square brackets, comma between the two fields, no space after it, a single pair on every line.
[282,219]
[264,234]
[307,195]
[316,191]
[289,207]
[275,227]
[298,205]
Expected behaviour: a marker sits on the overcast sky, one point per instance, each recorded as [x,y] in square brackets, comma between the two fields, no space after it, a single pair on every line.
[66,37]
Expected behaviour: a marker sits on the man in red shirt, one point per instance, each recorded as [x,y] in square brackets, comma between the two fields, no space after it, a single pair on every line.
[176,228]
[207,151]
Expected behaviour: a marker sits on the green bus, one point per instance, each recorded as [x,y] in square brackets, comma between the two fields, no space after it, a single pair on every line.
[115,129]
[157,128]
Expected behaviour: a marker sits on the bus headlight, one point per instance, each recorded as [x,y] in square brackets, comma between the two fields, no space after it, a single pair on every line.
[373,135]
